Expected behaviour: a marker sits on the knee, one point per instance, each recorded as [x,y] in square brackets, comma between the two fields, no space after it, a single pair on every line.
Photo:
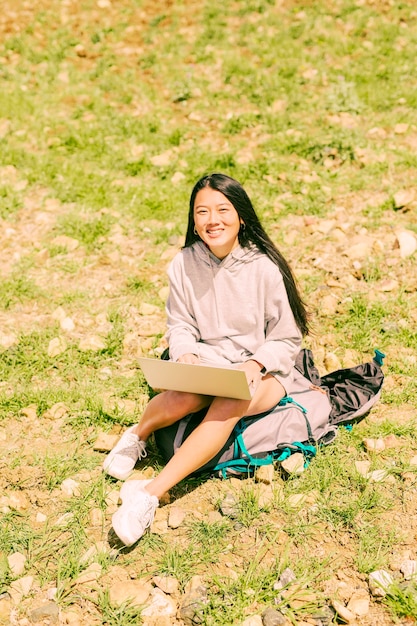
[178,403]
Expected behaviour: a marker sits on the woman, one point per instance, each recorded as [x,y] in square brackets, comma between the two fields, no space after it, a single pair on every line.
[232,301]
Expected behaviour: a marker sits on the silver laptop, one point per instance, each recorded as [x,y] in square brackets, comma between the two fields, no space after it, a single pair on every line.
[204,379]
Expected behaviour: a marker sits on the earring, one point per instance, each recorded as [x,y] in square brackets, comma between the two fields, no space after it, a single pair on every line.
[195,231]
[242,226]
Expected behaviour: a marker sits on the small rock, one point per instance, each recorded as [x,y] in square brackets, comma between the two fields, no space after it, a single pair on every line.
[379,476]
[16,563]
[403,198]
[8,340]
[105,442]
[401,128]
[177,178]
[148,309]
[285,579]
[93,343]
[379,582]
[265,494]
[67,324]
[49,612]
[407,242]
[254,620]
[135,592]
[296,499]
[167,584]
[343,612]
[30,412]
[57,346]
[21,588]
[159,527]
[374,445]
[62,241]
[176,517]
[230,506]
[70,487]
[359,602]
[294,464]
[392,441]
[409,569]
[272,617]
[57,411]
[18,501]
[363,467]
[90,574]
[96,517]
[99,548]
[265,474]
[5,610]
[192,604]
[331,362]
[159,604]
[386,285]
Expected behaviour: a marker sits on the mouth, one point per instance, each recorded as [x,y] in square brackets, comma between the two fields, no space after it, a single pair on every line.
[214,232]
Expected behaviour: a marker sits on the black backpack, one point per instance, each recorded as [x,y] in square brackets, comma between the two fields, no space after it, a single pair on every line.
[308,416]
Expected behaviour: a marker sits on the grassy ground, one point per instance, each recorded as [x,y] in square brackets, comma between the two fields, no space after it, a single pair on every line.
[109,112]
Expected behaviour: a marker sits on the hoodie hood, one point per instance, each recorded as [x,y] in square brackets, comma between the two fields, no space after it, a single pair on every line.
[237,256]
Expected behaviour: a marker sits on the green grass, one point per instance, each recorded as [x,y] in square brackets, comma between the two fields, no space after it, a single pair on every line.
[108,116]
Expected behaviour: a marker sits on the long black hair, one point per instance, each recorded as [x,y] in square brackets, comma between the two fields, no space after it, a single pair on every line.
[252,231]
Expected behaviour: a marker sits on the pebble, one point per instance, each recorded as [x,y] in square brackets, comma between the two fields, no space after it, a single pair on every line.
[16,563]
[135,592]
[374,445]
[254,620]
[167,584]
[105,442]
[159,604]
[70,488]
[294,464]
[192,602]
[21,588]
[90,575]
[379,581]
[407,243]
[175,517]
[230,506]
[272,617]
[49,612]
[409,569]
[359,603]
[343,612]
[265,474]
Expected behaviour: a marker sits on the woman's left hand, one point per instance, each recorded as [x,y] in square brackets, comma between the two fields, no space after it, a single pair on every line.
[252,370]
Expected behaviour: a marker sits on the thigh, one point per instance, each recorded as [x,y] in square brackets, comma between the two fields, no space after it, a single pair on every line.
[268,394]
[181,403]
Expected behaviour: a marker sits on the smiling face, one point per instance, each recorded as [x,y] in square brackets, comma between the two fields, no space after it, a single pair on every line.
[216,221]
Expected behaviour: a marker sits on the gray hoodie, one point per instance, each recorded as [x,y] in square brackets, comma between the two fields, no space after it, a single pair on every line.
[231,310]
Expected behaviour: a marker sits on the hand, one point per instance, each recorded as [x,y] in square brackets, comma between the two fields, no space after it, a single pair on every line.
[252,370]
[189,358]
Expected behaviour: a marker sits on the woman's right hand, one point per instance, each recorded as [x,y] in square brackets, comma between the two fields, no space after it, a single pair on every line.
[189,358]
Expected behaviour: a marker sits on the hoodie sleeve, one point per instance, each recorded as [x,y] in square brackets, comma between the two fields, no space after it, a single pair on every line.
[282,335]
[182,333]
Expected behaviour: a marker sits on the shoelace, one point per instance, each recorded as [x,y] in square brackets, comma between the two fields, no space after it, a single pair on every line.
[134,447]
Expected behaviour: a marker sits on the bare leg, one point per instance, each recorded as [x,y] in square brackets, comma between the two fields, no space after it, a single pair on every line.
[167,408]
[209,436]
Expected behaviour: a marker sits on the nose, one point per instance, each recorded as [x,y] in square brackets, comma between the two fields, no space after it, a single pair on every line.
[213,218]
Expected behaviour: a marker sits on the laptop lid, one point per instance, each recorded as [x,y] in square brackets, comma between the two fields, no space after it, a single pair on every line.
[205,379]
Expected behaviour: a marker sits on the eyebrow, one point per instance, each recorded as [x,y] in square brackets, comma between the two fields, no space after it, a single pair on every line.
[200,206]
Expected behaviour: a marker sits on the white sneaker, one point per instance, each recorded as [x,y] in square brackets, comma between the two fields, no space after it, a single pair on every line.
[122,459]
[131,487]
[132,519]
